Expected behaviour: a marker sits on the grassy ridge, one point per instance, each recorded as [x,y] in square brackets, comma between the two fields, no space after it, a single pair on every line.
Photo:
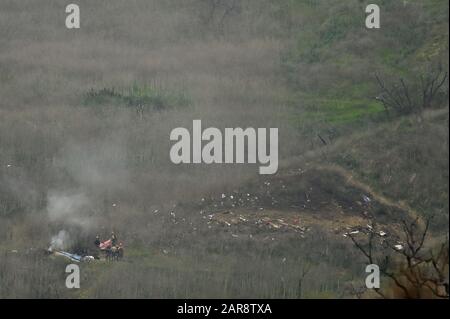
[404,161]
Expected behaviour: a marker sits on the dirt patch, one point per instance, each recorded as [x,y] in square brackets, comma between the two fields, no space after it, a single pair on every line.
[299,201]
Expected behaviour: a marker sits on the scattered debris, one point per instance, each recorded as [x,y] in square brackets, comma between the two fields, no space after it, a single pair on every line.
[230,219]
[366,199]
[71,257]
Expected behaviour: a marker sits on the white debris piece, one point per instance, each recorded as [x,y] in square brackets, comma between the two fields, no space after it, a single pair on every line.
[366,199]
[382,233]
[224,196]
[398,247]
[88,258]
[354,232]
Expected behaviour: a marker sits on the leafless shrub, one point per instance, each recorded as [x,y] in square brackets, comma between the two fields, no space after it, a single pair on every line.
[402,98]
[218,11]
[415,268]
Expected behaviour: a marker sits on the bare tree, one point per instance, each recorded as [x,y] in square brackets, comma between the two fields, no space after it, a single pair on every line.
[303,273]
[218,11]
[402,98]
[414,270]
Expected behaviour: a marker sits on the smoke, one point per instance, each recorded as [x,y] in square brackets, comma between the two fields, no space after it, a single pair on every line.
[96,168]
[60,241]
[99,165]
[72,209]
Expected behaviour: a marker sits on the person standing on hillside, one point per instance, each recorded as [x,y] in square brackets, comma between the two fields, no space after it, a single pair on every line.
[120,251]
[97,241]
[113,239]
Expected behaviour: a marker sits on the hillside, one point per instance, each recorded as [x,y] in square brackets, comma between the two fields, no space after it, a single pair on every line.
[85,120]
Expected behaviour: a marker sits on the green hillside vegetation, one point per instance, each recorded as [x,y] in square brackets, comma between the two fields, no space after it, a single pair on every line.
[333,59]
[141,98]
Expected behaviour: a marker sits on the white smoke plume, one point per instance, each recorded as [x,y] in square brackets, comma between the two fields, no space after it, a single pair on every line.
[69,208]
[60,241]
